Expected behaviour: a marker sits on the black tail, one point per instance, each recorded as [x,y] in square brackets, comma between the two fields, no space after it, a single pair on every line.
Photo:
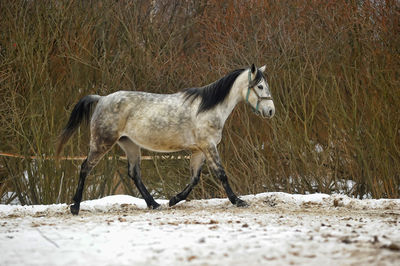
[82,110]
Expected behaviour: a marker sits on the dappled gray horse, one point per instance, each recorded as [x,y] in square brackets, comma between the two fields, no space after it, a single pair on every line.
[191,119]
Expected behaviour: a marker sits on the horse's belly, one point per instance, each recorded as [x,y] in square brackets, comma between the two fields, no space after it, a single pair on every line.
[163,142]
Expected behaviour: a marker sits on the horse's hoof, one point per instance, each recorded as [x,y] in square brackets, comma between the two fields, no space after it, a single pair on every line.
[241,203]
[155,206]
[74,209]
[173,201]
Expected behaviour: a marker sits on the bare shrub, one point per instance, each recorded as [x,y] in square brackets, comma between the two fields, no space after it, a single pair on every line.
[333,69]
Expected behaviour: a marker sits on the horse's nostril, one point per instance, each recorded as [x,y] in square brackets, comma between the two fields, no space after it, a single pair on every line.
[271,112]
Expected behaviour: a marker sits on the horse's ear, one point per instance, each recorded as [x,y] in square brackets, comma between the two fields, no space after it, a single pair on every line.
[253,69]
[262,69]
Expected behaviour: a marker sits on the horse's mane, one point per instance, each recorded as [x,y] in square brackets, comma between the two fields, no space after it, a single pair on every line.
[216,92]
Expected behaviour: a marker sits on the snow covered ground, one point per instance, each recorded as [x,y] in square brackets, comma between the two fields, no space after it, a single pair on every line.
[277,229]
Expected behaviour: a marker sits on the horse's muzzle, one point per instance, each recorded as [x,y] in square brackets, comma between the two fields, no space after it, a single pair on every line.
[267,113]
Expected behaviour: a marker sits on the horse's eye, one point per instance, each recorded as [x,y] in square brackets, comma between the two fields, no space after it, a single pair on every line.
[260,87]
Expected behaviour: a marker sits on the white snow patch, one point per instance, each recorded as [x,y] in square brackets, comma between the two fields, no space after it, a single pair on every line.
[7,198]
[114,202]
[277,229]
[319,148]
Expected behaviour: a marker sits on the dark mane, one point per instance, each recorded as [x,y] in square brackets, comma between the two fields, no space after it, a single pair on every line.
[216,92]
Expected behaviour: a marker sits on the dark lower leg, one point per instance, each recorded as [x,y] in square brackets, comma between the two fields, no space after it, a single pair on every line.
[183,195]
[196,162]
[85,169]
[134,173]
[215,163]
[232,197]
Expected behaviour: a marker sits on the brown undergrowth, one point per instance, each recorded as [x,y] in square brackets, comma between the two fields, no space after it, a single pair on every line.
[333,69]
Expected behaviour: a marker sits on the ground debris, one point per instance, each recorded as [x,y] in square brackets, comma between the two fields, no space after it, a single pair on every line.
[392,246]
[190,258]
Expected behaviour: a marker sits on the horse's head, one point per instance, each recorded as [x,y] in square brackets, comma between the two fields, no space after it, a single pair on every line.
[258,95]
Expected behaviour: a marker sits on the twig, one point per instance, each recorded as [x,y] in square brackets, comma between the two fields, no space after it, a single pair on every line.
[48,239]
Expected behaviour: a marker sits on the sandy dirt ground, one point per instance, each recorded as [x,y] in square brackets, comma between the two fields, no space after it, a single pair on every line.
[277,229]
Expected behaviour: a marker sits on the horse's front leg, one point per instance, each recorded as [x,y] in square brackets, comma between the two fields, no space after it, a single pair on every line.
[214,162]
[133,153]
[134,174]
[196,162]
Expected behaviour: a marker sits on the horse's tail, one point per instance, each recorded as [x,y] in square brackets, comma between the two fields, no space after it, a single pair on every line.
[81,111]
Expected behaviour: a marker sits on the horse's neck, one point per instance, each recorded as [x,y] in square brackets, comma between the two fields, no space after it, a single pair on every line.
[235,96]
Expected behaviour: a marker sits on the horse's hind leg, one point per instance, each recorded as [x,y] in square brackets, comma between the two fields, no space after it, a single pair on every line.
[85,170]
[196,162]
[132,151]
[95,154]
[214,161]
